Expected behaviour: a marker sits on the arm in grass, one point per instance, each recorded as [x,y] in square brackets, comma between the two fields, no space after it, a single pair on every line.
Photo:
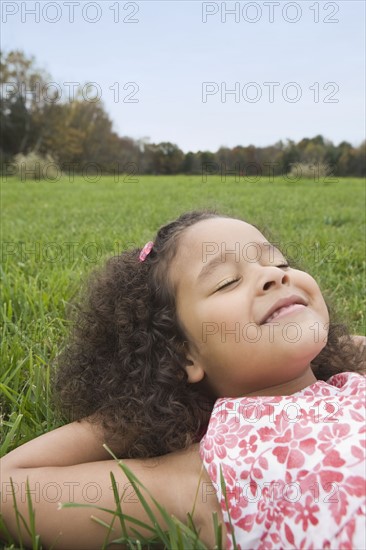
[67,465]
[74,443]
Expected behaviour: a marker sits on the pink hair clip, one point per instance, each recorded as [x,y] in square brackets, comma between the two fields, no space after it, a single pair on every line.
[146,251]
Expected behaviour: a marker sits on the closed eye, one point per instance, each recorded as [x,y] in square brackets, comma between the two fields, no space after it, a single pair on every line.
[283,265]
[227,283]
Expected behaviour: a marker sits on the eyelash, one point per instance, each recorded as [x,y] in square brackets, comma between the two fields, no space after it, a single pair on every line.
[228,283]
[231,281]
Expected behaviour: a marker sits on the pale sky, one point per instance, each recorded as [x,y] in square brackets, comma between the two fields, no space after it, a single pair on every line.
[164,69]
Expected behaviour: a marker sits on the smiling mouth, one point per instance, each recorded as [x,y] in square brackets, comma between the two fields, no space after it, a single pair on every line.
[283,311]
[284,307]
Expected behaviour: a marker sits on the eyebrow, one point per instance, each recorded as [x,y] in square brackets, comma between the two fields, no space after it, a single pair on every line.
[217,259]
[210,267]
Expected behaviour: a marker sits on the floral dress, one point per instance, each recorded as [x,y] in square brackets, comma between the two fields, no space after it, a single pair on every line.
[289,471]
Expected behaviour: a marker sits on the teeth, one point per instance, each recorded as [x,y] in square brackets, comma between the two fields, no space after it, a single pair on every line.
[276,313]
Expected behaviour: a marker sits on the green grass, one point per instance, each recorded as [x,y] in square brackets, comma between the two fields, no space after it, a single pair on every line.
[53,234]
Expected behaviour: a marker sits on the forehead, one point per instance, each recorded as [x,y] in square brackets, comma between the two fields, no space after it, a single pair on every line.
[207,238]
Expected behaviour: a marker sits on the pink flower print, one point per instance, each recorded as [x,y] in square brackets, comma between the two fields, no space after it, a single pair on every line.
[329,477]
[253,410]
[306,513]
[333,459]
[326,478]
[296,444]
[338,506]
[338,380]
[212,471]
[272,508]
[266,434]
[223,410]
[355,415]
[246,522]
[265,545]
[229,475]
[235,512]
[236,433]
[248,445]
[332,435]
[349,532]
[306,416]
[214,444]
[355,485]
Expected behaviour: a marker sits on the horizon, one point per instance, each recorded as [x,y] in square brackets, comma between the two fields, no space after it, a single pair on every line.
[296,77]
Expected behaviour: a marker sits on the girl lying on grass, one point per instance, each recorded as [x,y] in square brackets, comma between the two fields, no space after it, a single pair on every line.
[203,354]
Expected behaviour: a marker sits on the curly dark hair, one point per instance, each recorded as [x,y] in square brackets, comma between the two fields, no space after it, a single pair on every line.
[123,365]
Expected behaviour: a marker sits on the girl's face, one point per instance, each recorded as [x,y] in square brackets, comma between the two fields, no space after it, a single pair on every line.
[228,280]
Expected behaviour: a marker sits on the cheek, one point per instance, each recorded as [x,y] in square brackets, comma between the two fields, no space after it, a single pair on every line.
[325,312]
[194,325]
[317,291]
[318,299]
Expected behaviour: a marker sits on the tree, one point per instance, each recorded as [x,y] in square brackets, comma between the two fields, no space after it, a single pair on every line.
[22,100]
[166,158]
[78,132]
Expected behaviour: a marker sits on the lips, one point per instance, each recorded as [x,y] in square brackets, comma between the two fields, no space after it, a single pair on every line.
[275,310]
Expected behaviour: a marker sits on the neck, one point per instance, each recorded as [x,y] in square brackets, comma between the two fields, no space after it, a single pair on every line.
[288,388]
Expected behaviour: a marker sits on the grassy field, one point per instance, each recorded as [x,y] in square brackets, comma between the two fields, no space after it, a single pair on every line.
[53,234]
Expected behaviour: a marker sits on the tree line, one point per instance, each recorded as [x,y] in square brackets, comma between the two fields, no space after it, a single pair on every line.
[74,133]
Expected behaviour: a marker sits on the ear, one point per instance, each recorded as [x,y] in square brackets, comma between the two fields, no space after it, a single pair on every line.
[195,373]
[194,369]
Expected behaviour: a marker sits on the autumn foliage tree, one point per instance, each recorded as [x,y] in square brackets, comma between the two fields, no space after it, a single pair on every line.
[37,118]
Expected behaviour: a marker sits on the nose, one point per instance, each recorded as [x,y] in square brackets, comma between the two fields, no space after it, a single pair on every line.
[273,276]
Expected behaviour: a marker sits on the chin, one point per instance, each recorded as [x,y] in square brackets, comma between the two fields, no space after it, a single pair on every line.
[303,352]
[303,358]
